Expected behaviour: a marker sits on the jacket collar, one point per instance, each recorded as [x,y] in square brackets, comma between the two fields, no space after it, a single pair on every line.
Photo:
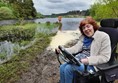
[95,34]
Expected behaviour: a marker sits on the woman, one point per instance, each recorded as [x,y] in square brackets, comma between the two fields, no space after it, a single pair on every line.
[94,46]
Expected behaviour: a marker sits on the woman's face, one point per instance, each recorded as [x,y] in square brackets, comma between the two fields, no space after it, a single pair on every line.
[88,30]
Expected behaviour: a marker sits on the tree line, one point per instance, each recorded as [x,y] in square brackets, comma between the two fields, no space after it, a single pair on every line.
[76,13]
[10,9]
[14,9]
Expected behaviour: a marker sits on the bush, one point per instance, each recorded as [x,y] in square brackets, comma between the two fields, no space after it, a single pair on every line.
[6,13]
[2,4]
[48,23]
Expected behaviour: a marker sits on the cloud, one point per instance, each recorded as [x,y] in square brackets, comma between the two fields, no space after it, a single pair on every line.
[48,7]
[55,1]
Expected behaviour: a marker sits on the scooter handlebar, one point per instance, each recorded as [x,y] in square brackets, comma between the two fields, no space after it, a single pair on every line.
[69,55]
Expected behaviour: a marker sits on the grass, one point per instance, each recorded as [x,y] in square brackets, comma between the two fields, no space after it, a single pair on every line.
[11,70]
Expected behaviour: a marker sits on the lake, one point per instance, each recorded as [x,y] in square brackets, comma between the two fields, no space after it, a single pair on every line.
[67,23]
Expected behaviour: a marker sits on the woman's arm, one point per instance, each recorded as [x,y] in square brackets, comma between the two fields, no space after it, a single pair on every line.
[76,48]
[104,53]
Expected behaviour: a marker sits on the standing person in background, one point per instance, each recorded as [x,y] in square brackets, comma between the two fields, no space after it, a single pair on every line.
[93,48]
[60,24]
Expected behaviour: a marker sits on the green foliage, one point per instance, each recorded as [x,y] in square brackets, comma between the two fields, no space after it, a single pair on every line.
[114,7]
[2,56]
[6,13]
[93,9]
[49,25]
[24,9]
[100,14]
[24,42]
[13,69]
[104,9]
[24,33]
[2,4]
[39,15]
[17,33]
[20,8]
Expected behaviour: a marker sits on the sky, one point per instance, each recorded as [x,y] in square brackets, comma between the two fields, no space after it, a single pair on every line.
[48,7]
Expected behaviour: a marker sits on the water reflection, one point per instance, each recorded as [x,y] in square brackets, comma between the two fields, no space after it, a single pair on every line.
[67,23]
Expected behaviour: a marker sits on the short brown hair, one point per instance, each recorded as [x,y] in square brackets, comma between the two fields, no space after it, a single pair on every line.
[88,20]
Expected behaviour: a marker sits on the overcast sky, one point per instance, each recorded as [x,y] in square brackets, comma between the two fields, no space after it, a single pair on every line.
[47,7]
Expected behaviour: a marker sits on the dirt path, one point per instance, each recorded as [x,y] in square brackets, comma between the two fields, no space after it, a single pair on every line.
[45,67]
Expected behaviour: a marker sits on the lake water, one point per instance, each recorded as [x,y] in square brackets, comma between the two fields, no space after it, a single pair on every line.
[67,23]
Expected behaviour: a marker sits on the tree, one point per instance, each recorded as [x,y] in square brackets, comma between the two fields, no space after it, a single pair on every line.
[22,8]
[94,8]
[104,9]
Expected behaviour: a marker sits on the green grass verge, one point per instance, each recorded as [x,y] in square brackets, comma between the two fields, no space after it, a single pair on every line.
[11,70]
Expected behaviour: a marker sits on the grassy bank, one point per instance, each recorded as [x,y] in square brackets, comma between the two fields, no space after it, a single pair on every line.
[11,70]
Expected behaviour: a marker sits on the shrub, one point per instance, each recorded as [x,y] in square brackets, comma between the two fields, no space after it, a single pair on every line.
[48,23]
[6,13]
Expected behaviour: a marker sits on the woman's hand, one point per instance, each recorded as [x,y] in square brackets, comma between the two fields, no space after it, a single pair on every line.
[57,50]
[85,61]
